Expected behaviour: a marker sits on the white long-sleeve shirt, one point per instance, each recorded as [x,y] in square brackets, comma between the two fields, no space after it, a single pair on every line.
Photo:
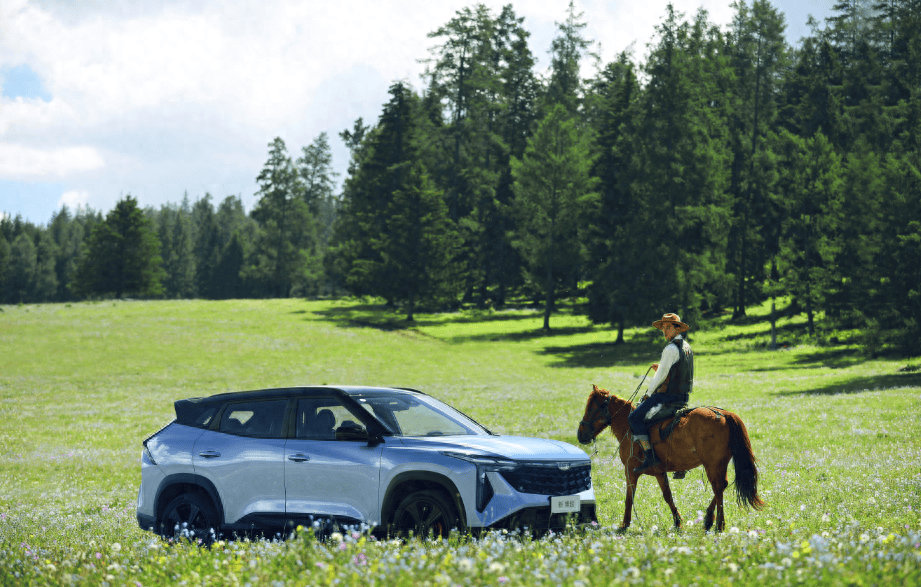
[669,358]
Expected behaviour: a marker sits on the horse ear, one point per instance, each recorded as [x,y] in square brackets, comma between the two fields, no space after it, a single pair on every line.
[595,388]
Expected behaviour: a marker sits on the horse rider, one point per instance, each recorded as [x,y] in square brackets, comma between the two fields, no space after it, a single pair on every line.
[672,383]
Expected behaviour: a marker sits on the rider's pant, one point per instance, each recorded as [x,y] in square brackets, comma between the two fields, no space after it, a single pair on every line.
[637,418]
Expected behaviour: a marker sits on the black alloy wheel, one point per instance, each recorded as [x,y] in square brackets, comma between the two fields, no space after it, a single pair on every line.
[424,513]
[191,516]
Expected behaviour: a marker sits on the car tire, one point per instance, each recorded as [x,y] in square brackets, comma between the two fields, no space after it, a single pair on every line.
[425,513]
[192,516]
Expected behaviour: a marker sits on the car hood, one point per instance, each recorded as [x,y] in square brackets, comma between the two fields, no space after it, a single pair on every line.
[519,448]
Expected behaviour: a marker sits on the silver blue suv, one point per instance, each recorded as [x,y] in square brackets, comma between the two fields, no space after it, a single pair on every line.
[396,460]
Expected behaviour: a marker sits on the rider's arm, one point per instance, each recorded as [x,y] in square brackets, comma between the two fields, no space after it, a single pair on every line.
[669,358]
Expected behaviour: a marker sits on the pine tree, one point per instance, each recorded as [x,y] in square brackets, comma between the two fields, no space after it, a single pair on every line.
[680,172]
[387,155]
[553,183]
[812,196]
[46,281]
[284,247]
[174,231]
[419,246]
[123,256]
[758,57]
[612,102]
[19,282]
[566,52]
[68,234]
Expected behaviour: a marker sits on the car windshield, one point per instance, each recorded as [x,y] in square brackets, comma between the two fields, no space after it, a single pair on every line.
[418,415]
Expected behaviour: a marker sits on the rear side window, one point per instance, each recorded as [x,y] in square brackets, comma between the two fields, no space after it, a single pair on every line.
[255,419]
[198,416]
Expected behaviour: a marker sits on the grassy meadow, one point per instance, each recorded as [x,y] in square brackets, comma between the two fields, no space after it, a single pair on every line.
[836,434]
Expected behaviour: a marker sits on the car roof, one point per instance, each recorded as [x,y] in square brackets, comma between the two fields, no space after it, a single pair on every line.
[308,390]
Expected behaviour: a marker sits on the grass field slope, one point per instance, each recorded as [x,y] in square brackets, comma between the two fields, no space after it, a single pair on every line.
[836,434]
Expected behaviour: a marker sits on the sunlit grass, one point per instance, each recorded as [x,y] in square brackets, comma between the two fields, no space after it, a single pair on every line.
[81,385]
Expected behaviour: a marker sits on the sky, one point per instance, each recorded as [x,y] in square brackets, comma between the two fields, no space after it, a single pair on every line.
[100,99]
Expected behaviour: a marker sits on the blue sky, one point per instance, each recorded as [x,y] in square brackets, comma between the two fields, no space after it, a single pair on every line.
[159,99]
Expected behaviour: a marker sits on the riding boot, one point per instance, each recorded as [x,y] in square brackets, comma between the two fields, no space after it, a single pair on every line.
[650,459]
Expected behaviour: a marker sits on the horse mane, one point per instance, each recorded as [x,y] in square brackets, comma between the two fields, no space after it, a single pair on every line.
[602,393]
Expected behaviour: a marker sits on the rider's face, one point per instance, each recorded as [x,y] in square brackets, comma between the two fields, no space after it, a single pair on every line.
[669,331]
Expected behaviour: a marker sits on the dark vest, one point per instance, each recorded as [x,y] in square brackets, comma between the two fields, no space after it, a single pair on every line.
[681,375]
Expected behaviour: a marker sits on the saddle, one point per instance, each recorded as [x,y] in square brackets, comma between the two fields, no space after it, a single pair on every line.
[676,412]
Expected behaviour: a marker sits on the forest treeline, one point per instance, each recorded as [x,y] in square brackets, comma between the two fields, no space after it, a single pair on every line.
[726,168]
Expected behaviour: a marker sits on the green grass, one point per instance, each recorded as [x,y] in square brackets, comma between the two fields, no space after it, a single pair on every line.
[836,435]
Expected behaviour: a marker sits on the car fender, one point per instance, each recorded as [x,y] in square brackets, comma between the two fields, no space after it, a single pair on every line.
[189,479]
[425,477]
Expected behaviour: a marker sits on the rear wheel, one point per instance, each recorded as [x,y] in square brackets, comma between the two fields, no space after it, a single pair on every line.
[424,513]
[192,516]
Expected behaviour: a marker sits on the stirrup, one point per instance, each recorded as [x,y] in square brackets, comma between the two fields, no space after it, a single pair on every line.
[679,474]
[650,460]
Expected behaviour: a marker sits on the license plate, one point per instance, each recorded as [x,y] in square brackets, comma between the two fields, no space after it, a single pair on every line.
[565,504]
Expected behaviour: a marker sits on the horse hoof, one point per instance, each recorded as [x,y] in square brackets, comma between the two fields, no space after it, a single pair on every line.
[621,530]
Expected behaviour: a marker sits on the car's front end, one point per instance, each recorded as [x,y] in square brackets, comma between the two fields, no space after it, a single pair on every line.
[504,481]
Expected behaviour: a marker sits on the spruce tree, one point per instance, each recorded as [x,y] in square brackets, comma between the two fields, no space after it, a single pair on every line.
[553,183]
[123,256]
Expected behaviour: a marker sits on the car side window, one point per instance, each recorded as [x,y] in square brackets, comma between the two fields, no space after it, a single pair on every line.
[318,418]
[263,419]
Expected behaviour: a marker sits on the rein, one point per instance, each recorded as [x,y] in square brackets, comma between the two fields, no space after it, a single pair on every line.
[607,416]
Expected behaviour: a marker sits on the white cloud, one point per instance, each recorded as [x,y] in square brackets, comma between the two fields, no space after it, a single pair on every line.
[186,94]
[18,161]
[74,199]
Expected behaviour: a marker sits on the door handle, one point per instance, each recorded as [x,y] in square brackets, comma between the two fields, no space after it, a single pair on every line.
[209,454]
[298,458]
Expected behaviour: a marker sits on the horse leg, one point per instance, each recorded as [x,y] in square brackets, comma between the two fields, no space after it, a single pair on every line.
[632,479]
[667,495]
[718,482]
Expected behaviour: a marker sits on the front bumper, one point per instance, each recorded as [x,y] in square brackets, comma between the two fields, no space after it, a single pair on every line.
[539,520]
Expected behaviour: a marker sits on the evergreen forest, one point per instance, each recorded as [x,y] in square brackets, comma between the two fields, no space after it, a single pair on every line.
[723,169]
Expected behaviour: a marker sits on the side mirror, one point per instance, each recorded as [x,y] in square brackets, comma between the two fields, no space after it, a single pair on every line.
[350,431]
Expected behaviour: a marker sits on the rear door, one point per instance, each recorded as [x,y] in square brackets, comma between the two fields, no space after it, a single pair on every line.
[325,477]
[244,459]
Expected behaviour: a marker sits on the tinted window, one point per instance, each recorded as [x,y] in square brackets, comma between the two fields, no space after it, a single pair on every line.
[198,416]
[318,418]
[256,419]
[422,415]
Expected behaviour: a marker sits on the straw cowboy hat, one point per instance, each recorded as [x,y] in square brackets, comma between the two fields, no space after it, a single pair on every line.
[671,319]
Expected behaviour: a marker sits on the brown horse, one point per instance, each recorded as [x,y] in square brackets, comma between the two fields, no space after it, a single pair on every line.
[708,437]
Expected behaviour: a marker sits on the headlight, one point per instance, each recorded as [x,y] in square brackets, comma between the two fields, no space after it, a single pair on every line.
[484,464]
[491,463]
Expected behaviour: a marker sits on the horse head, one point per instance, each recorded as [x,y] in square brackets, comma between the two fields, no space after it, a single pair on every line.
[597,416]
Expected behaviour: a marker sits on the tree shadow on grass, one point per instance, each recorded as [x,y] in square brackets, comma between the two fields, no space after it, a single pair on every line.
[601,354]
[386,319]
[863,384]
[826,359]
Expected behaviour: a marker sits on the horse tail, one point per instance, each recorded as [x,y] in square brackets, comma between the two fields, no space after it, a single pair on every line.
[746,481]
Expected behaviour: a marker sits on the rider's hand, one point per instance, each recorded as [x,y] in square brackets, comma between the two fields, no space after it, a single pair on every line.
[645,397]
[655,366]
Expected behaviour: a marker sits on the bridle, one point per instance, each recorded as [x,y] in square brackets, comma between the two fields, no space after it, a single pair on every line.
[607,415]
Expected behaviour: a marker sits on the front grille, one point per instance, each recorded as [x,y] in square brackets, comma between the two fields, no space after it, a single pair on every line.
[549,479]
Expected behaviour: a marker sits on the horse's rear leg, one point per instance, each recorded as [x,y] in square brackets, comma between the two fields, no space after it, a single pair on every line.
[632,479]
[667,495]
[718,482]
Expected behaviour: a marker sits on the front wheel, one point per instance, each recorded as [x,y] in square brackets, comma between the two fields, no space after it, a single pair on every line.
[425,512]
[192,516]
